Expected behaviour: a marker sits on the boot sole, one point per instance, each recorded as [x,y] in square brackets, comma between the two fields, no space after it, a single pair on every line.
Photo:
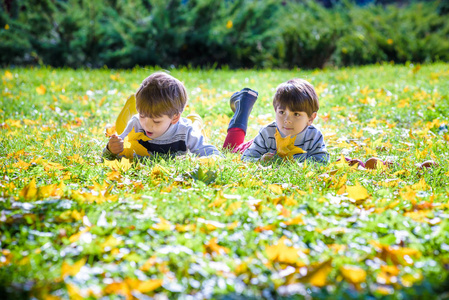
[236,96]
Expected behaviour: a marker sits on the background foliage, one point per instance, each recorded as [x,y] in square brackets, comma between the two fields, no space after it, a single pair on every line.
[239,33]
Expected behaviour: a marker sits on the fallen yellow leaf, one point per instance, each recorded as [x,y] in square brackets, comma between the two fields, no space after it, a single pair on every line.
[123,165]
[219,200]
[75,237]
[185,228]
[353,274]
[8,75]
[162,225]
[149,285]
[357,192]
[213,247]
[111,242]
[282,253]
[29,192]
[275,188]
[233,207]
[395,254]
[295,221]
[40,90]
[74,292]
[149,264]
[317,273]
[72,270]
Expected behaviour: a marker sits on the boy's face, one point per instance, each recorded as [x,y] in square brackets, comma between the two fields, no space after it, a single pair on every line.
[155,127]
[292,122]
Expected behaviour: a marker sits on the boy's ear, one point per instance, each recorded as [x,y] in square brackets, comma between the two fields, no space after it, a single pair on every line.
[312,117]
[176,118]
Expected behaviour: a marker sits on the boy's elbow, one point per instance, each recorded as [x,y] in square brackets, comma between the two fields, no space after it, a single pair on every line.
[321,159]
[207,151]
[250,159]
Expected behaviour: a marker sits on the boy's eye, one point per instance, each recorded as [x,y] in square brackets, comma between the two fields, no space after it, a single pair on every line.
[297,114]
[156,122]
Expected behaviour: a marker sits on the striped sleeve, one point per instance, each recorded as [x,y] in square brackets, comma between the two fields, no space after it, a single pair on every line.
[259,147]
[313,143]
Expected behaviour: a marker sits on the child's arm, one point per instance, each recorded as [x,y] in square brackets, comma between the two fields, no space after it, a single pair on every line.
[115,144]
[315,147]
[113,148]
[263,146]
[319,156]
[267,156]
[195,143]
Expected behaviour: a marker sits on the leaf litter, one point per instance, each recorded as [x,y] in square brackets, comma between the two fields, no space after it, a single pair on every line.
[161,227]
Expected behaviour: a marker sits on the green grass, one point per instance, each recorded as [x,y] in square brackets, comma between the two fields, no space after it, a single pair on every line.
[162,220]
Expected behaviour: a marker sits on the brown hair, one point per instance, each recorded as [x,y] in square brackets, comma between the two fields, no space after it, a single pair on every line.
[161,94]
[296,95]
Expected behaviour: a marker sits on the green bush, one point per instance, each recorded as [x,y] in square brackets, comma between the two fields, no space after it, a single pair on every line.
[416,33]
[195,33]
[309,35]
[237,33]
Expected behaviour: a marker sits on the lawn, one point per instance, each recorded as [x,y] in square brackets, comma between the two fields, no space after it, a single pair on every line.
[74,227]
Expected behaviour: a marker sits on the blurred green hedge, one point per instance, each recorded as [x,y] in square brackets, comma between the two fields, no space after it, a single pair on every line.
[236,33]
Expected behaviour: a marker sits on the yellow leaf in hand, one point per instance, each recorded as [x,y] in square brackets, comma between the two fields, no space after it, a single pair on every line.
[133,136]
[286,146]
[128,110]
[131,144]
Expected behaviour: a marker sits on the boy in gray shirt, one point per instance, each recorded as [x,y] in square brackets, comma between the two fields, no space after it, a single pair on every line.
[160,100]
[295,104]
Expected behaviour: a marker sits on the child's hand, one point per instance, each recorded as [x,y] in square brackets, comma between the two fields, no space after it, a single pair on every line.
[267,156]
[115,144]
